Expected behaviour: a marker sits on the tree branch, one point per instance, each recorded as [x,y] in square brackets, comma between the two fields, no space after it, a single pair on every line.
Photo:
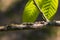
[36,25]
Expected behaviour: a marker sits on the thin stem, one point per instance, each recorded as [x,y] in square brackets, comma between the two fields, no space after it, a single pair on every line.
[42,13]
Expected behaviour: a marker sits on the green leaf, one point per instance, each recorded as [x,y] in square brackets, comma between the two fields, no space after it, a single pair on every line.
[48,8]
[30,12]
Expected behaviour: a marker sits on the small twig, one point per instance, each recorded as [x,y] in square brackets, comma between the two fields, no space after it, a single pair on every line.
[35,25]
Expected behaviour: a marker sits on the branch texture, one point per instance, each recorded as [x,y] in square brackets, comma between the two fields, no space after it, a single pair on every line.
[36,25]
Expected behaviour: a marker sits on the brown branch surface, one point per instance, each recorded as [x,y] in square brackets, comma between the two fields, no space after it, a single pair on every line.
[35,25]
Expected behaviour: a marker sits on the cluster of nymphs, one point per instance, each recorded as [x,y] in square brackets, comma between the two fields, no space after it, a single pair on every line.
[30,25]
